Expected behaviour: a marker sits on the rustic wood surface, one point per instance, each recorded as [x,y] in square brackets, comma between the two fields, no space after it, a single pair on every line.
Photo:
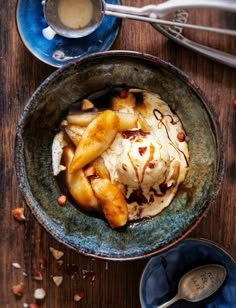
[116,285]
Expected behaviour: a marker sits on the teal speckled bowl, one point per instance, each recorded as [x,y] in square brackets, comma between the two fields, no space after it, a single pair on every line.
[90,235]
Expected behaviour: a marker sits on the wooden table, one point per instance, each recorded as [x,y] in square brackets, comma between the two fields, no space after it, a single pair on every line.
[116,285]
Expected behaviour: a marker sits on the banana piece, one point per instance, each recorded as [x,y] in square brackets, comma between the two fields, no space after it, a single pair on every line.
[100,168]
[96,138]
[74,133]
[81,119]
[78,185]
[127,120]
[112,202]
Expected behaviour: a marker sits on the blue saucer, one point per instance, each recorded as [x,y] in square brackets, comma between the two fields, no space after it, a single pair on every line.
[159,282]
[60,51]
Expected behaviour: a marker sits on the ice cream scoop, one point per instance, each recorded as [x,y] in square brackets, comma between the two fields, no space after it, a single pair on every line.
[143,161]
[90,14]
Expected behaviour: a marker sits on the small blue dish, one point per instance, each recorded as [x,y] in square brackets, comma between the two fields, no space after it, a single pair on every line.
[159,281]
[60,50]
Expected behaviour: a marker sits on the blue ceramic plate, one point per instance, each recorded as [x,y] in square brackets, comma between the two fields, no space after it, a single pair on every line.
[60,50]
[159,282]
[92,235]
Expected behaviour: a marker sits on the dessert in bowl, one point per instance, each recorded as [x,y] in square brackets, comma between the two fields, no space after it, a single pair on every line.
[179,165]
[125,158]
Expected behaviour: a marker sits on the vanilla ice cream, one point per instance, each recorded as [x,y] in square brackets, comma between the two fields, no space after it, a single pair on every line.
[141,161]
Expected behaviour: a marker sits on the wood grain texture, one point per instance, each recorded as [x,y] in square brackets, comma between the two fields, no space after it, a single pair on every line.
[116,285]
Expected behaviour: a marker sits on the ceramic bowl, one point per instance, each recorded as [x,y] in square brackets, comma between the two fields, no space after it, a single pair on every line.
[90,235]
[159,281]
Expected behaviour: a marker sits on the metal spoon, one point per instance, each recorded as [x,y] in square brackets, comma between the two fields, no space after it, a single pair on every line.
[148,13]
[199,284]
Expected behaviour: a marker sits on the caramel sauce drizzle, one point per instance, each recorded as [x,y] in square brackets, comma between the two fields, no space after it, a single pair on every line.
[132,134]
[137,196]
[135,168]
[142,150]
[151,155]
[156,112]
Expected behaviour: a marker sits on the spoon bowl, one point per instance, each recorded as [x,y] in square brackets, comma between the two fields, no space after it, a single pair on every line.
[51,15]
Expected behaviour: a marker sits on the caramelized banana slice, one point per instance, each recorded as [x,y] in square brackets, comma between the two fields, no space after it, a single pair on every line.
[58,144]
[79,186]
[96,138]
[127,120]
[112,202]
[81,119]
[143,123]
[74,133]
[100,168]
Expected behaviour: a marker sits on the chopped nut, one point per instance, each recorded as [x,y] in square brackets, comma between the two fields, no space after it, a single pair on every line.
[64,123]
[57,280]
[18,214]
[57,254]
[87,105]
[43,263]
[181,136]
[33,305]
[39,293]
[61,200]
[123,93]
[16,265]
[18,289]
[37,275]
[78,295]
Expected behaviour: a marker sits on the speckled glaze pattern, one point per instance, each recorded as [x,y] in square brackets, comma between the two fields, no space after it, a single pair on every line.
[93,236]
[159,281]
[60,50]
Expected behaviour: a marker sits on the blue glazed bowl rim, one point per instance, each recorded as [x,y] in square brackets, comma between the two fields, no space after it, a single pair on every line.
[148,59]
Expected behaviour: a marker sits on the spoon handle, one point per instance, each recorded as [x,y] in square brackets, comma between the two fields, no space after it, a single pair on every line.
[166,7]
[171,23]
[167,304]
